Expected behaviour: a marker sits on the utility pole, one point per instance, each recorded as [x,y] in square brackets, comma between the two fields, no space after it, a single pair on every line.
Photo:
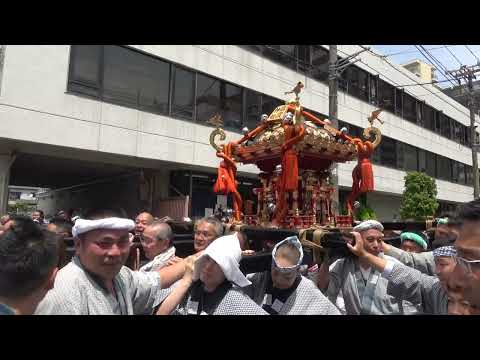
[468,73]
[333,86]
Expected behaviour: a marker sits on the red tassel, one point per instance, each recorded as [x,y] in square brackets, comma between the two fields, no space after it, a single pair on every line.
[221,185]
[367,176]
[290,170]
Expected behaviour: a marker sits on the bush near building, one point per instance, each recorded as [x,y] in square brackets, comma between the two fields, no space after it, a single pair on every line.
[419,199]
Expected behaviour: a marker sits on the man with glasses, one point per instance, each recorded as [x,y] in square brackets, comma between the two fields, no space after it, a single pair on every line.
[410,284]
[207,230]
[466,276]
[283,290]
[362,287]
[157,243]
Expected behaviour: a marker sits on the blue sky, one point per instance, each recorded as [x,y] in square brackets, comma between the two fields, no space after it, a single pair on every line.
[400,54]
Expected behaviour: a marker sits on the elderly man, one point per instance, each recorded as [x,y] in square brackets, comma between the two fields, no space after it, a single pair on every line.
[28,266]
[363,290]
[157,243]
[207,230]
[413,242]
[283,290]
[95,281]
[466,276]
[142,221]
[214,286]
[410,284]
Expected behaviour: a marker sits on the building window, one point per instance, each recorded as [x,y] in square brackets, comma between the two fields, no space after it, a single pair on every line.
[458,132]
[232,106]
[253,107]
[468,137]
[407,157]
[444,168]
[469,175]
[458,172]
[134,79]
[357,82]
[399,102]
[386,96]
[319,68]
[446,126]
[183,93]
[420,117]
[269,104]
[373,85]
[208,97]
[84,77]
[303,57]
[427,162]
[429,117]
[409,108]
[438,122]
[388,152]
[283,54]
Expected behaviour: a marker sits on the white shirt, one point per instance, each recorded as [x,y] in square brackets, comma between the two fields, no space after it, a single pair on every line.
[159,261]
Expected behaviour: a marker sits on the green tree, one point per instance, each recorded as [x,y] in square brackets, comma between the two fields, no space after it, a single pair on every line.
[419,197]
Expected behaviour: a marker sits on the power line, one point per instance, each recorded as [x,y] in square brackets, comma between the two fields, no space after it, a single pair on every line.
[471,52]
[434,62]
[454,56]
[413,51]
[432,59]
[425,83]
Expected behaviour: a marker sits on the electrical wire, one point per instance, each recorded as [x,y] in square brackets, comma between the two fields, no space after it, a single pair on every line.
[471,52]
[451,53]
[412,51]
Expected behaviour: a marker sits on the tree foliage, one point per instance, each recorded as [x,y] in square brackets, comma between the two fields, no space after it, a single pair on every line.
[419,197]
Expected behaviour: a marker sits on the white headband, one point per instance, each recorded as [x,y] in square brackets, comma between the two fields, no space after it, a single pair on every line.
[367,225]
[82,226]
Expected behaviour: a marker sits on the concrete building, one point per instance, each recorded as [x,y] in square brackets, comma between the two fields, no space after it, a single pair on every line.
[126,125]
[424,71]
[459,93]
[23,199]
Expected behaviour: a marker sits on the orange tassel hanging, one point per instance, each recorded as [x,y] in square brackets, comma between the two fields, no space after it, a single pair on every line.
[367,176]
[290,170]
[221,185]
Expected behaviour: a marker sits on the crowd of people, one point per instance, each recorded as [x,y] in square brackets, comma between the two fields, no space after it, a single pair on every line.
[124,267]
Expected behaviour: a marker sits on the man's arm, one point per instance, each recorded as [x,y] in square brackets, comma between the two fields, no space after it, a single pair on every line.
[322,277]
[177,295]
[423,262]
[404,282]
[171,274]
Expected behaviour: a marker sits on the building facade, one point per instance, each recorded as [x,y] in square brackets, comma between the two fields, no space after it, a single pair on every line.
[147,106]
[424,71]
